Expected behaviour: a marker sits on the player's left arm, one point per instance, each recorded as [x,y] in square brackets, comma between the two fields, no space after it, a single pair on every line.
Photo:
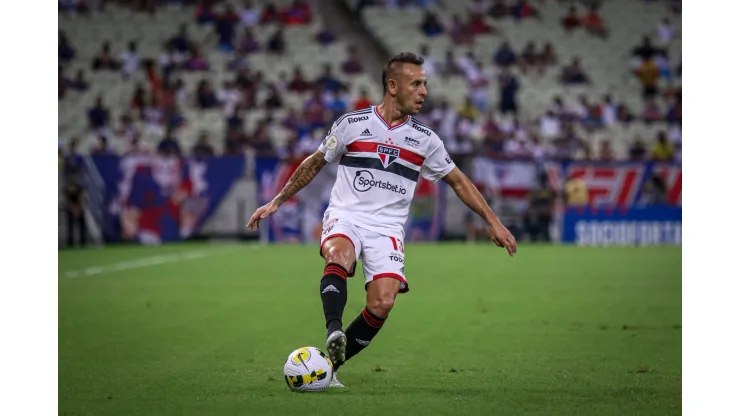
[469,194]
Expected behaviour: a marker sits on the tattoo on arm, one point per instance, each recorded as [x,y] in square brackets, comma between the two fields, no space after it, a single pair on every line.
[301,177]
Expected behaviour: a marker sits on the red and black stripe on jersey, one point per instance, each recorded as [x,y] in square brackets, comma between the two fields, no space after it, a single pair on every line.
[357,161]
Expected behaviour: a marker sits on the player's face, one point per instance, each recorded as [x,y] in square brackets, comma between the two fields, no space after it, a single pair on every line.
[411,89]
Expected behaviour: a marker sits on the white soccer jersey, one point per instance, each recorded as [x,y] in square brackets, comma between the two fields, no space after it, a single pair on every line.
[379,167]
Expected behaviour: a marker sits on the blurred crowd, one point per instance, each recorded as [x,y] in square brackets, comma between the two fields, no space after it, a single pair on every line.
[497,130]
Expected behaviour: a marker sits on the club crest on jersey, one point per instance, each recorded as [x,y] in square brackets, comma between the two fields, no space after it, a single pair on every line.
[387,154]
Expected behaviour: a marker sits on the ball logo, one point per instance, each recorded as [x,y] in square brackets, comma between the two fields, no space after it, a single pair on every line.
[301,357]
[364,180]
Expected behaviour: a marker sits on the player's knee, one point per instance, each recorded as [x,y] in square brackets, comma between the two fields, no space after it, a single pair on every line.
[339,255]
[381,305]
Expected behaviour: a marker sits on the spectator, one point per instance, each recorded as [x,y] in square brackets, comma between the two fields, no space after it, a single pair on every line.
[673,114]
[478,85]
[261,142]
[547,57]
[337,104]
[540,208]
[519,147]
[468,110]
[66,50]
[225,26]
[431,25]
[105,60]
[549,125]
[235,120]
[477,7]
[181,42]
[450,66]
[202,149]
[528,59]
[80,83]
[238,62]
[493,146]
[235,142]
[326,35]
[624,115]
[169,145]
[662,150]
[478,26]
[571,20]
[461,150]
[205,97]
[248,42]
[523,9]
[363,101]
[127,130]
[204,13]
[505,56]
[594,23]
[276,43]
[249,15]
[327,80]
[665,32]
[498,10]
[606,152]
[63,82]
[444,118]
[664,65]
[269,13]
[653,192]
[138,101]
[98,116]
[637,151]
[646,50]
[430,64]
[459,32]
[508,89]
[608,111]
[153,116]
[651,111]
[352,64]
[197,62]
[299,84]
[229,97]
[74,194]
[129,60]
[101,147]
[314,110]
[274,100]
[292,120]
[648,74]
[298,13]
[574,74]
[171,59]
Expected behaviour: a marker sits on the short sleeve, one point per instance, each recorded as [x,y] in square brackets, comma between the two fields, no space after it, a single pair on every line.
[334,145]
[438,164]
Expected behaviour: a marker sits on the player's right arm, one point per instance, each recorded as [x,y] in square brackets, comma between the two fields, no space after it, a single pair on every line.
[331,149]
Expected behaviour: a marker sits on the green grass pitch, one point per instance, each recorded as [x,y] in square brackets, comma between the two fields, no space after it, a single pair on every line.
[554,331]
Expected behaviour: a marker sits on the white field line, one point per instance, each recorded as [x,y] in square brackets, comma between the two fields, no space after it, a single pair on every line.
[150,261]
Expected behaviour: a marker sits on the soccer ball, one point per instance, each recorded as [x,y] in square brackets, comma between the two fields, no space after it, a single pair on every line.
[308,369]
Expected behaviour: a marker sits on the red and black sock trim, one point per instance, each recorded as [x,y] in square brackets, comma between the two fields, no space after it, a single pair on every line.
[372,320]
[336,270]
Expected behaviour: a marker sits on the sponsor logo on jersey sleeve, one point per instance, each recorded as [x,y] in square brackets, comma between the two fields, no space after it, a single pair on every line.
[357,119]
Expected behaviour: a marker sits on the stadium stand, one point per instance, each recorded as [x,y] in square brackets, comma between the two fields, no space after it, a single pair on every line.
[178,75]
[138,102]
[607,42]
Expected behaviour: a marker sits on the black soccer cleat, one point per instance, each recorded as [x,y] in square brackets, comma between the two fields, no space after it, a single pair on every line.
[336,347]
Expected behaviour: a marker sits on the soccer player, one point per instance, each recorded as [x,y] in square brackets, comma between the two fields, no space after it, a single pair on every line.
[382,151]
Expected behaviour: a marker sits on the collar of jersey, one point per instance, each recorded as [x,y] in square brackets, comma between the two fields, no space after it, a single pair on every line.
[387,125]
